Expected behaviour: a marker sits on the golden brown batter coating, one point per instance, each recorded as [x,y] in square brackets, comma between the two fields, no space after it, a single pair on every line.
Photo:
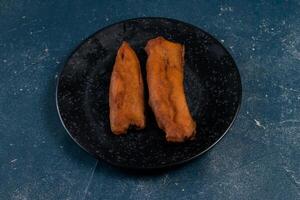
[126,92]
[166,91]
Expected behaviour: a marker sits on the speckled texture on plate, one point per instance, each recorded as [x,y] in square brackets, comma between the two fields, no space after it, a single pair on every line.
[212,86]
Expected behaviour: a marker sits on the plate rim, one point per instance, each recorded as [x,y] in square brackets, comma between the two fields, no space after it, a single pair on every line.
[163,166]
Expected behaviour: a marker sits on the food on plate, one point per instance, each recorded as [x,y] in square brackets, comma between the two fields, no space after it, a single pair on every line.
[166,90]
[126,92]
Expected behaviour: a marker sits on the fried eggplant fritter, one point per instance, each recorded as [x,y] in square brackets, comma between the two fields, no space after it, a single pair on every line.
[166,90]
[126,92]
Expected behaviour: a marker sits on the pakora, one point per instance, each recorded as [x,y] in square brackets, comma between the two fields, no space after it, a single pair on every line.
[165,76]
[126,92]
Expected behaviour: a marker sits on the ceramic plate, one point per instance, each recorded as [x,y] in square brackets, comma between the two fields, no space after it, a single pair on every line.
[211,81]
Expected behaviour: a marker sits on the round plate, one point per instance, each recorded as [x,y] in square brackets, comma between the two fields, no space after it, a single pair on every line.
[212,87]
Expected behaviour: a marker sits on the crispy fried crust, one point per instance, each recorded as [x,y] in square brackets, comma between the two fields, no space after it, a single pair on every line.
[166,91]
[126,92]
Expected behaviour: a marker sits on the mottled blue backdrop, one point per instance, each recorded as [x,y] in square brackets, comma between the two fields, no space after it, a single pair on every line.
[258,159]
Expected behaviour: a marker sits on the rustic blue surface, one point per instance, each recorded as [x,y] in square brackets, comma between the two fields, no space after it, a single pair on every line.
[258,159]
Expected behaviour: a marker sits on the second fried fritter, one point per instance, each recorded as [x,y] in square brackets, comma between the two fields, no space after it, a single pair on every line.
[166,91]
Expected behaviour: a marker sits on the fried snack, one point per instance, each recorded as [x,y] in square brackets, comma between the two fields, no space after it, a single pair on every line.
[166,91]
[126,92]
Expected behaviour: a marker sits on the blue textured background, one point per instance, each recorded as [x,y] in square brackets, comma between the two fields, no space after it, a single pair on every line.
[258,159]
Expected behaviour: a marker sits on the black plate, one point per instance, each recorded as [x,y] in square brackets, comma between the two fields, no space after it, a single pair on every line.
[212,86]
